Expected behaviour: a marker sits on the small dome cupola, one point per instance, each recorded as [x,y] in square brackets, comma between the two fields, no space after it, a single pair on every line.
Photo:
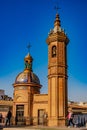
[28,62]
[27,76]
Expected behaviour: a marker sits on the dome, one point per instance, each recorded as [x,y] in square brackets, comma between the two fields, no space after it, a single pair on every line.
[26,77]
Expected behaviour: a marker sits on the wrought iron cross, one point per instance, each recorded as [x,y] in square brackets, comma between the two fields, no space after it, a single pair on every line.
[28,47]
[56,8]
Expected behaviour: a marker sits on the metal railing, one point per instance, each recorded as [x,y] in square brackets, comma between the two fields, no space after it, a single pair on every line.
[29,121]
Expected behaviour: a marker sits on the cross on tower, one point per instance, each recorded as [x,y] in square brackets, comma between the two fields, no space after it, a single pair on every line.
[56,8]
[28,47]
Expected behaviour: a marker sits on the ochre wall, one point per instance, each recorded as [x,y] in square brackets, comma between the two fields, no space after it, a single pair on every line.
[40,102]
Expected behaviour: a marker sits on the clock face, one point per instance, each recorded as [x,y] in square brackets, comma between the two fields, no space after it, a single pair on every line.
[23,77]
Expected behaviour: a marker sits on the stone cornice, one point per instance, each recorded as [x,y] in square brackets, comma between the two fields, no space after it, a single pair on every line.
[27,85]
[58,65]
[7,103]
[60,37]
[41,102]
[57,75]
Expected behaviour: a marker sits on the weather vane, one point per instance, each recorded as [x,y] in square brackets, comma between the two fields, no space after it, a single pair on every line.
[28,47]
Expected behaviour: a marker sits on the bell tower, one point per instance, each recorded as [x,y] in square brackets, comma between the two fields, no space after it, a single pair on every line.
[57,75]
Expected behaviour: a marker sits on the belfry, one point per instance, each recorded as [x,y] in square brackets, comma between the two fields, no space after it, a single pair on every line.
[57,75]
[30,107]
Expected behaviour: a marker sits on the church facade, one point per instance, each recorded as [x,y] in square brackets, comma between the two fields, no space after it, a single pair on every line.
[30,107]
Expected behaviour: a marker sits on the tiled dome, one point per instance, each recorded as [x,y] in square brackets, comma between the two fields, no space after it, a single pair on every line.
[26,77]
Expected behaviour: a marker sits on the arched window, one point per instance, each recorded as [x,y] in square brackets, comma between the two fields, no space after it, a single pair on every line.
[53,51]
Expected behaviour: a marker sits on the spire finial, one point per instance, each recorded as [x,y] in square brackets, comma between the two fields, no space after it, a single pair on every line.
[57,19]
[28,47]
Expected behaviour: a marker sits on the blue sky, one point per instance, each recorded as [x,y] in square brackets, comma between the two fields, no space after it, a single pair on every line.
[29,21]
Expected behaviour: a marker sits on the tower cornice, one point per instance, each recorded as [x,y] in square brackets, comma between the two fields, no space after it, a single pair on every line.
[59,36]
[57,75]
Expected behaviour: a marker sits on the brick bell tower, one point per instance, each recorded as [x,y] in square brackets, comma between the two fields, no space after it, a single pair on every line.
[57,75]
